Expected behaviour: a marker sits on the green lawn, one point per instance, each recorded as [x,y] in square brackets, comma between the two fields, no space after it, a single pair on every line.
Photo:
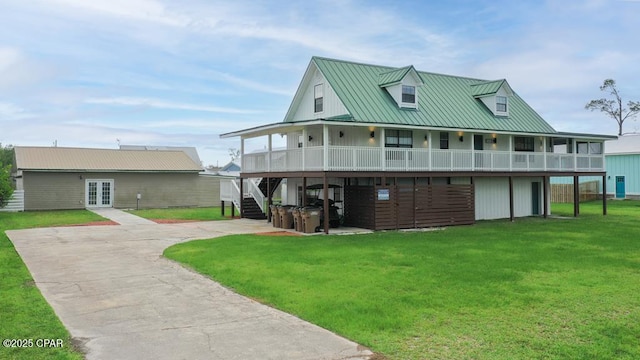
[24,314]
[531,289]
[199,214]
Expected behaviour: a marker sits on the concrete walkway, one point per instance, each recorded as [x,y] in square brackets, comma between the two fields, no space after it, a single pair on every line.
[121,217]
[115,293]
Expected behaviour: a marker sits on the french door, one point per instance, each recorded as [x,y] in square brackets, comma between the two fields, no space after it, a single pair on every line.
[99,193]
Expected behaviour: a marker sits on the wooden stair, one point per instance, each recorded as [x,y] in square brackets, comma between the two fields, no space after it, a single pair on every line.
[251,210]
[273,184]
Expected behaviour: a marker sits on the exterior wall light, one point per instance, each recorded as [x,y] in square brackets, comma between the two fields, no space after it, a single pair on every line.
[310,137]
[372,134]
[341,134]
[461,138]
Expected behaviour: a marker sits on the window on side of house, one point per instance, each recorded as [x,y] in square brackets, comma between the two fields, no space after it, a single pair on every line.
[523,143]
[595,148]
[318,96]
[583,147]
[398,138]
[408,94]
[501,103]
[444,140]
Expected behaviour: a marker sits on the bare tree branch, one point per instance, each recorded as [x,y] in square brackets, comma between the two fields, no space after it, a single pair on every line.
[614,108]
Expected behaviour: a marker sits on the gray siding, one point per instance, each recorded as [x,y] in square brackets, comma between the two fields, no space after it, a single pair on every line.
[45,191]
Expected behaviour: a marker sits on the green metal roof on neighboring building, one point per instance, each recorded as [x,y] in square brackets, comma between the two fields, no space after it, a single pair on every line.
[486,87]
[443,100]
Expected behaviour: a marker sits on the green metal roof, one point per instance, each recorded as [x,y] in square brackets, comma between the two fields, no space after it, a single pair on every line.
[443,100]
[393,76]
[485,88]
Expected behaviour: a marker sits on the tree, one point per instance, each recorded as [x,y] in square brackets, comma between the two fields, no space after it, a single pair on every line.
[7,156]
[6,190]
[234,154]
[6,164]
[614,107]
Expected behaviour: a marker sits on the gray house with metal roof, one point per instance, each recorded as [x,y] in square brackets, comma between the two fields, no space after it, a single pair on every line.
[78,178]
[413,149]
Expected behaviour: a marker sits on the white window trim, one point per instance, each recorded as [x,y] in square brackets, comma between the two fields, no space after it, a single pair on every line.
[412,105]
[315,97]
[506,104]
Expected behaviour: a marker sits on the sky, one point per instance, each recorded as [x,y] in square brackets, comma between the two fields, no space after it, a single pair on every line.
[97,73]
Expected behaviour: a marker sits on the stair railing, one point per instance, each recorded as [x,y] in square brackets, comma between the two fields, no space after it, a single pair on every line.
[255,192]
[235,194]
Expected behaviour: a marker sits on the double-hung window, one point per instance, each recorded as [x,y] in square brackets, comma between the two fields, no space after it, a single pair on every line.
[501,104]
[444,140]
[318,97]
[408,94]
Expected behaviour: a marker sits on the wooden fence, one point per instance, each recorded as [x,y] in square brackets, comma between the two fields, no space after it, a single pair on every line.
[563,193]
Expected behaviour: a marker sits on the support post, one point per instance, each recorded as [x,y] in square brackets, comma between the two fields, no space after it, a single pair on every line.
[241,197]
[222,207]
[545,192]
[604,194]
[576,195]
[511,213]
[268,209]
[325,190]
[304,191]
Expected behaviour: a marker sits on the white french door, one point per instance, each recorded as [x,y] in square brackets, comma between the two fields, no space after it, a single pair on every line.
[99,193]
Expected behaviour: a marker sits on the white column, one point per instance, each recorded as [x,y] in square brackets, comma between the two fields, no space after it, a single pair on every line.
[325,147]
[304,146]
[574,149]
[473,152]
[429,147]
[510,152]
[269,152]
[383,155]
[544,152]
[242,167]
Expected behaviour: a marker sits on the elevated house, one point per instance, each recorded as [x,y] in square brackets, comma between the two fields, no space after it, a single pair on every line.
[412,149]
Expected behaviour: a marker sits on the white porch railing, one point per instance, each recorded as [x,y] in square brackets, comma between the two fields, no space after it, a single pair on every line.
[230,191]
[354,158]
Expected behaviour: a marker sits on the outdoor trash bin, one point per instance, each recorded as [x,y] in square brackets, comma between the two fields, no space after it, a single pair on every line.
[310,220]
[297,219]
[286,219]
[275,216]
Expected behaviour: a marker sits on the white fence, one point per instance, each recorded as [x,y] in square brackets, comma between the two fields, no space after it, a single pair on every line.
[354,158]
[16,203]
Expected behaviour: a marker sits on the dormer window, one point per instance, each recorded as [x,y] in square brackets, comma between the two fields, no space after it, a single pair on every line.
[402,85]
[318,98]
[408,94]
[501,104]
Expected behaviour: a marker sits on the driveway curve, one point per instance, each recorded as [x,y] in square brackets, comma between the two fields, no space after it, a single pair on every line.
[114,292]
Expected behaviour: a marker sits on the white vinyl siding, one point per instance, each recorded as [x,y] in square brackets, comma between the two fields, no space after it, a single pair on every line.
[491,102]
[492,197]
[331,105]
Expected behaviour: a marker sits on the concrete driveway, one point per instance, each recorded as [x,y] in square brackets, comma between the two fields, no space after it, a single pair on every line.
[114,292]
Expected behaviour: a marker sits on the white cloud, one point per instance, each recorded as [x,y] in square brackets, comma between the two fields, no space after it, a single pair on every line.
[162,104]
[10,111]
[132,10]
